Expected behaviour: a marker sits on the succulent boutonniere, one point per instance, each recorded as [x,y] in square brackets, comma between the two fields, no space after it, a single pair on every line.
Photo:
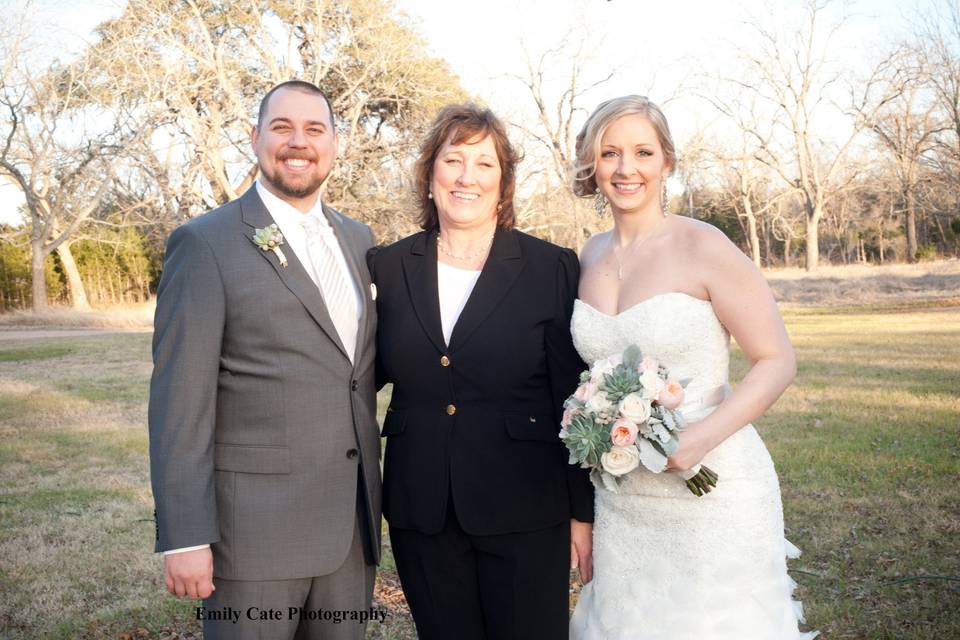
[270,239]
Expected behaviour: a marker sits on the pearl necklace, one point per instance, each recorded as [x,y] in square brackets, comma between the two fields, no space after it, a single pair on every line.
[471,256]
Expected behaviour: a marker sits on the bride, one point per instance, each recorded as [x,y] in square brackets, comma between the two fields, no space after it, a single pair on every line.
[667,564]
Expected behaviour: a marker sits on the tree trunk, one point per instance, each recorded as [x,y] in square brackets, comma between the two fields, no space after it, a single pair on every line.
[752,236]
[38,277]
[78,292]
[787,241]
[880,238]
[813,241]
[766,242]
[754,240]
[911,226]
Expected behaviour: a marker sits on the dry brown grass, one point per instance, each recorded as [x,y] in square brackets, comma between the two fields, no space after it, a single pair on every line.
[126,317]
[867,284]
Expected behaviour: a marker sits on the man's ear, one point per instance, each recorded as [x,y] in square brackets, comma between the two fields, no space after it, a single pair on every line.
[254,136]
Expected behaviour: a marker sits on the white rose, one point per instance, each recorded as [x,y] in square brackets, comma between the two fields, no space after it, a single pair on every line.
[634,408]
[604,367]
[620,460]
[652,383]
[599,403]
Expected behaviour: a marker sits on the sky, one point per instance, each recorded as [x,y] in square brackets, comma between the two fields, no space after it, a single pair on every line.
[654,48]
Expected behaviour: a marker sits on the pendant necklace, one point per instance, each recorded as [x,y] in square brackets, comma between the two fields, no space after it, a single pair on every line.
[631,248]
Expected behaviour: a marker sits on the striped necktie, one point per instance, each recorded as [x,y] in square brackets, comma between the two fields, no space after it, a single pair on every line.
[338,292]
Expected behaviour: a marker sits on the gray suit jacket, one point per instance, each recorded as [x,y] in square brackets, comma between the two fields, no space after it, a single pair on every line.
[258,419]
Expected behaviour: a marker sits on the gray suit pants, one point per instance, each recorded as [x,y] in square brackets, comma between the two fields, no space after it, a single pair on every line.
[317,608]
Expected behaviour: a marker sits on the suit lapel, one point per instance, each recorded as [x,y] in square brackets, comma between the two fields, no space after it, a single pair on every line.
[420,272]
[294,276]
[501,269]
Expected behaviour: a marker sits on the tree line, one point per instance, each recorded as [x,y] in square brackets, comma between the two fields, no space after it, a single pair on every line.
[149,126]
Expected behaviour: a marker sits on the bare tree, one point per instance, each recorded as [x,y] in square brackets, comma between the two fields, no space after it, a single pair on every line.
[795,76]
[54,156]
[557,83]
[196,70]
[938,39]
[907,126]
[743,176]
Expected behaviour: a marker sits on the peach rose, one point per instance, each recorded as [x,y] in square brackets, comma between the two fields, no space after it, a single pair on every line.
[634,408]
[671,396]
[623,433]
[567,417]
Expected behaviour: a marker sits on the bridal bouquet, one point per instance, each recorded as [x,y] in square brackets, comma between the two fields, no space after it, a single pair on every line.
[623,415]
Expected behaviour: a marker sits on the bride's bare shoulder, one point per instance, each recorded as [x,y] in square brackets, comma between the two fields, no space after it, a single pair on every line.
[702,238]
[594,248]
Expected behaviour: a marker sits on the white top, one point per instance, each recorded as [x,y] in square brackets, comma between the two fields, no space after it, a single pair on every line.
[290,221]
[454,287]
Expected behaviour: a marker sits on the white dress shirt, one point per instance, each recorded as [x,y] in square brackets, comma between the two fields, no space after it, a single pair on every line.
[289,219]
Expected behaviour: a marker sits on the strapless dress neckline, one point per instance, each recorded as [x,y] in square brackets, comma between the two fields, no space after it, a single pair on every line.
[637,305]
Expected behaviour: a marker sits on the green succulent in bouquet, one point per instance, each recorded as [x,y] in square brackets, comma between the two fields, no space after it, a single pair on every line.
[586,440]
[621,382]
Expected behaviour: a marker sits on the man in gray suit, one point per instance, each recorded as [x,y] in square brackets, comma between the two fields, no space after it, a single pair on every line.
[264,447]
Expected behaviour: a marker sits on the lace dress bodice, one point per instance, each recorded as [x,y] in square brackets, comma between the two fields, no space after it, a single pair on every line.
[681,331]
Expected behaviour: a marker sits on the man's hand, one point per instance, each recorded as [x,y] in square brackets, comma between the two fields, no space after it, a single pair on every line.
[189,574]
[581,549]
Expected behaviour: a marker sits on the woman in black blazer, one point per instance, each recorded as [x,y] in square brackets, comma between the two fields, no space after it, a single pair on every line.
[484,511]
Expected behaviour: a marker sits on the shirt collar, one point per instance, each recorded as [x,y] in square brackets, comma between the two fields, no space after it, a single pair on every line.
[285,213]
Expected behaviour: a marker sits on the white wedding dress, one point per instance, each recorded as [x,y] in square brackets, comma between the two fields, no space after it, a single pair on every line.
[667,564]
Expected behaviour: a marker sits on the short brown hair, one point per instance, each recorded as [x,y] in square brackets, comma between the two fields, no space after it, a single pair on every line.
[295,85]
[588,140]
[458,123]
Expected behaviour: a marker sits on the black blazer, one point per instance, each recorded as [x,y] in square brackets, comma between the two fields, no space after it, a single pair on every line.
[480,418]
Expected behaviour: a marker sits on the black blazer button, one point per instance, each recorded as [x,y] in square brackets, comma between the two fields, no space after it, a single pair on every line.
[354,385]
[352,454]
[444,361]
[451,409]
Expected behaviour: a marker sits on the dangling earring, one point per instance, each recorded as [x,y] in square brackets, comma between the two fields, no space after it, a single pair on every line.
[663,197]
[599,203]
[430,194]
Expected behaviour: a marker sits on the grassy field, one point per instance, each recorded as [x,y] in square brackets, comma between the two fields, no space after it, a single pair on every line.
[867,444]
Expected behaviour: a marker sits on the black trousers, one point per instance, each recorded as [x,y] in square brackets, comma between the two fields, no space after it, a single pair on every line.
[513,586]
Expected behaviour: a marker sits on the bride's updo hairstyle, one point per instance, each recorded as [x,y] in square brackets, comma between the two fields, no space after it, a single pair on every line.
[588,140]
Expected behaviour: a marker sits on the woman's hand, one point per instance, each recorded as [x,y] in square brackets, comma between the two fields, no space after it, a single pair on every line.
[581,549]
[691,451]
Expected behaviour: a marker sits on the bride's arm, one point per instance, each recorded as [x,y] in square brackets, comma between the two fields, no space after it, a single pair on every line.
[744,304]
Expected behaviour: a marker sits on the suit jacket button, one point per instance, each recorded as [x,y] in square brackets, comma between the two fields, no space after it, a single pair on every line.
[444,361]
[352,454]
[354,385]
[451,409]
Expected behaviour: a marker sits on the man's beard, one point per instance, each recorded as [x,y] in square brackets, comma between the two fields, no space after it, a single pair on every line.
[287,189]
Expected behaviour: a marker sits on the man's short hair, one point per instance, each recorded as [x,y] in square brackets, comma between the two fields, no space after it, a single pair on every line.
[296,85]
